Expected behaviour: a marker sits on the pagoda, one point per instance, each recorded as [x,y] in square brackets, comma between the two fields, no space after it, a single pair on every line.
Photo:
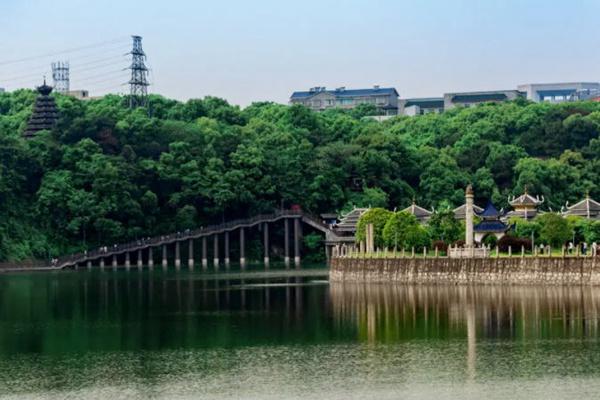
[525,206]
[44,114]
[490,223]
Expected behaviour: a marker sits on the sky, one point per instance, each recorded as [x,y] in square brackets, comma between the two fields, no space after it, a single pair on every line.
[263,50]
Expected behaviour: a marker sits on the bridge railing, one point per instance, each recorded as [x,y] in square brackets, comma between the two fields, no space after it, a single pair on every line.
[179,236]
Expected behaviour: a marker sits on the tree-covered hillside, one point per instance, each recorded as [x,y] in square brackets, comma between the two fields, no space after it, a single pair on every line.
[109,174]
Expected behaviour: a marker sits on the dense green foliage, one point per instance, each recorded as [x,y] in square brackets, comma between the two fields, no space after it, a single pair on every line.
[554,229]
[109,174]
[402,230]
[445,227]
[379,218]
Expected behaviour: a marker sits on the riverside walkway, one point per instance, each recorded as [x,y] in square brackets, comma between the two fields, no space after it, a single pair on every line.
[141,252]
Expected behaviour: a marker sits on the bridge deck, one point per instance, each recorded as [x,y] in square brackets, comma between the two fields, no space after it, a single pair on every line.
[331,237]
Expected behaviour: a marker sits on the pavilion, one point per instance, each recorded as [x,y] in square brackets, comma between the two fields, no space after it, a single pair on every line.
[525,206]
[490,224]
[586,208]
[460,212]
[422,214]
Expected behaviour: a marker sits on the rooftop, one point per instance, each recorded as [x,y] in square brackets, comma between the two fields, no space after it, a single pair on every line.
[490,212]
[586,207]
[343,92]
[526,199]
[490,226]
[460,211]
[417,211]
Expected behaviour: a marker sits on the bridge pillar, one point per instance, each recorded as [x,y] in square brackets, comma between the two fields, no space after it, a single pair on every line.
[227,261]
[164,257]
[286,242]
[102,263]
[89,265]
[297,234]
[191,254]
[216,251]
[242,249]
[114,261]
[127,260]
[266,244]
[204,253]
[177,256]
[140,260]
[150,258]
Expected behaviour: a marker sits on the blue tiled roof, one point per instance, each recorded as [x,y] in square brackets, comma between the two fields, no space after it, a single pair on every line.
[348,93]
[490,226]
[489,211]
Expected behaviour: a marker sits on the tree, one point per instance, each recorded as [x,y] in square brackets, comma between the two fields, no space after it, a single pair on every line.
[554,229]
[443,226]
[110,173]
[525,228]
[402,230]
[378,217]
[186,217]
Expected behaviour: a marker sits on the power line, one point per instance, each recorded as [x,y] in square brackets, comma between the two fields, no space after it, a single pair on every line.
[43,68]
[98,66]
[93,79]
[71,50]
[114,57]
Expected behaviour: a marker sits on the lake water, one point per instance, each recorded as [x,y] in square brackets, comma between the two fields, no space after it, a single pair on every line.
[138,335]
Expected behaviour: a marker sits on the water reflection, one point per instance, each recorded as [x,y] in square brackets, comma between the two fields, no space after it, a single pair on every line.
[388,313]
[188,335]
[130,310]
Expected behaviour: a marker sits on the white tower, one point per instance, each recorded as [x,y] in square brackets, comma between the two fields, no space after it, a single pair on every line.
[469,214]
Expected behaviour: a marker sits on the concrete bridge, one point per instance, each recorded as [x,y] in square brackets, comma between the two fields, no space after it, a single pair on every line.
[143,251]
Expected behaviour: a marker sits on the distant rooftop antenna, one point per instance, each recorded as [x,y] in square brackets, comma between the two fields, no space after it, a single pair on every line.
[138,83]
[60,75]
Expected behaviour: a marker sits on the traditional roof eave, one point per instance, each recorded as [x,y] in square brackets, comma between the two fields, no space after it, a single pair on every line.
[417,211]
[586,207]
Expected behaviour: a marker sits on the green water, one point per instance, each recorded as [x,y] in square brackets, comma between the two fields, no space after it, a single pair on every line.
[132,335]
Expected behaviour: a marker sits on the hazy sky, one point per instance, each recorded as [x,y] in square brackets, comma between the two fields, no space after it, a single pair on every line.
[248,51]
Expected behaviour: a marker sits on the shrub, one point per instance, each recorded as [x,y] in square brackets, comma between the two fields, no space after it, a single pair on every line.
[440,245]
[490,240]
[515,243]
[459,243]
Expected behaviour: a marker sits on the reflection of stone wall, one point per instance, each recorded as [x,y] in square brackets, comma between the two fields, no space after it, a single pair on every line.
[402,312]
[513,270]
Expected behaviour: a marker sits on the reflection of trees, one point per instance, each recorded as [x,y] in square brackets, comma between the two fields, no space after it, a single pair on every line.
[61,313]
[396,312]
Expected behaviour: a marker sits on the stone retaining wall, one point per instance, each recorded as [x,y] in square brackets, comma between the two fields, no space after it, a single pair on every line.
[510,271]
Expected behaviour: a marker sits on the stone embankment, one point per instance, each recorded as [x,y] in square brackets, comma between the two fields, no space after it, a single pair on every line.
[567,270]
